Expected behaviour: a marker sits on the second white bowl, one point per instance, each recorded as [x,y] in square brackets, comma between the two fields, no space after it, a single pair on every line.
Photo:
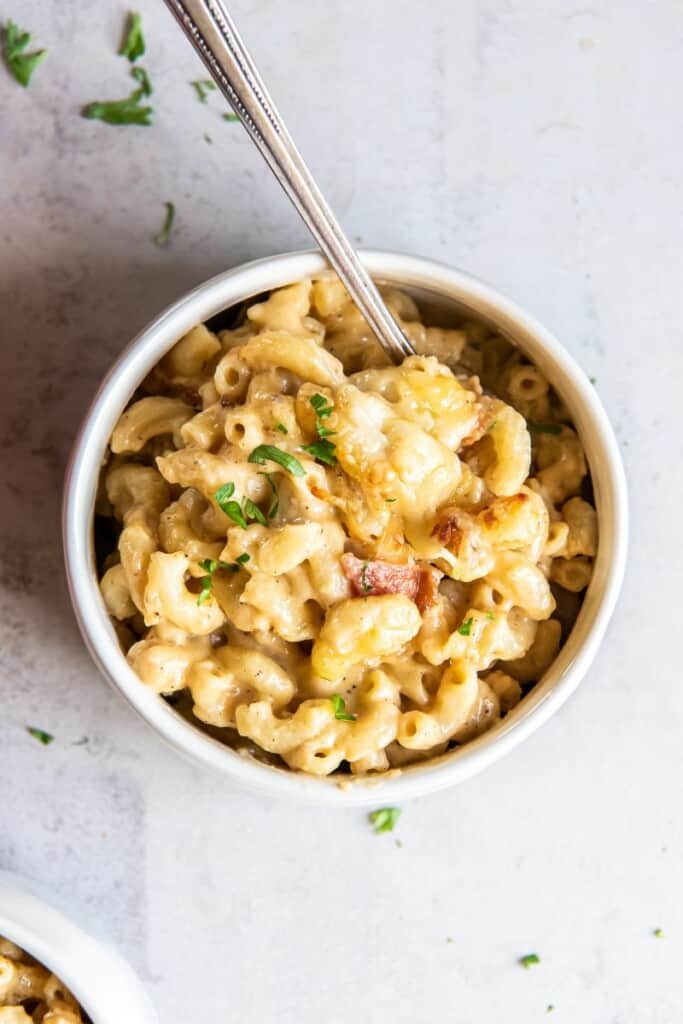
[102,982]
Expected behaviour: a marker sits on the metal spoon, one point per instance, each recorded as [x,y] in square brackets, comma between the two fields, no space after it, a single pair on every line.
[212,32]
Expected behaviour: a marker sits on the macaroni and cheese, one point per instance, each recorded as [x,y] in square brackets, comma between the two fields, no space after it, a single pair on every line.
[337,564]
[30,993]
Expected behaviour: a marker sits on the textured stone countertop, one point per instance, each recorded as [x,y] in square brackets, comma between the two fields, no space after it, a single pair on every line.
[537,145]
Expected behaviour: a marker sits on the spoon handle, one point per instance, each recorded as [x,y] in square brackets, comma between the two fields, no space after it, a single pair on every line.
[211,30]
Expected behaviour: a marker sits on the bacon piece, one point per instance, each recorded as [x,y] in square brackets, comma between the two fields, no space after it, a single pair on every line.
[373,578]
[452,526]
[485,417]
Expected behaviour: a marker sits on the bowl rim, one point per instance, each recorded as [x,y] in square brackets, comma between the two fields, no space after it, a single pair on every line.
[103,982]
[399,269]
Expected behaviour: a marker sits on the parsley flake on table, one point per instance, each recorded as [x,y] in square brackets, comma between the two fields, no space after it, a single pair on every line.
[528,960]
[141,76]
[203,87]
[230,117]
[22,65]
[384,819]
[340,712]
[133,45]
[163,237]
[39,734]
[126,111]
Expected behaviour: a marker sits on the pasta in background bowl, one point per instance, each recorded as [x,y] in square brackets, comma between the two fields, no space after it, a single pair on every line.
[332,565]
[31,994]
[52,971]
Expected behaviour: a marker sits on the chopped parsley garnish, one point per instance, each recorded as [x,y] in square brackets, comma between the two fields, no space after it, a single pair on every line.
[268,452]
[230,117]
[594,381]
[384,819]
[490,616]
[22,65]
[528,960]
[133,45]
[203,87]
[205,592]
[658,933]
[322,450]
[125,111]
[249,510]
[466,628]
[491,426]
[322,410]
[207,138]
[39,734]
[234,512]
[231,508]
[363,579]
[141,76]
[210,565]
[544,428]
[549,1008]
[252,513]
[390,501]
[282,428]
[224,492]
[340,712]
[162,238]
[274,501]
[238,564]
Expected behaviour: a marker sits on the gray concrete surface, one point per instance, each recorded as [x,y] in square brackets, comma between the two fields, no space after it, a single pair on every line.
[537,145]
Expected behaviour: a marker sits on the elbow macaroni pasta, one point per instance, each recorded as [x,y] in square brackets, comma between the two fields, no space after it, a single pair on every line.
[339,564]
[30,993]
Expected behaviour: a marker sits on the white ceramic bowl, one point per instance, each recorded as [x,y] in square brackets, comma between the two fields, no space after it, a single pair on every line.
[443,286]
[102,982]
